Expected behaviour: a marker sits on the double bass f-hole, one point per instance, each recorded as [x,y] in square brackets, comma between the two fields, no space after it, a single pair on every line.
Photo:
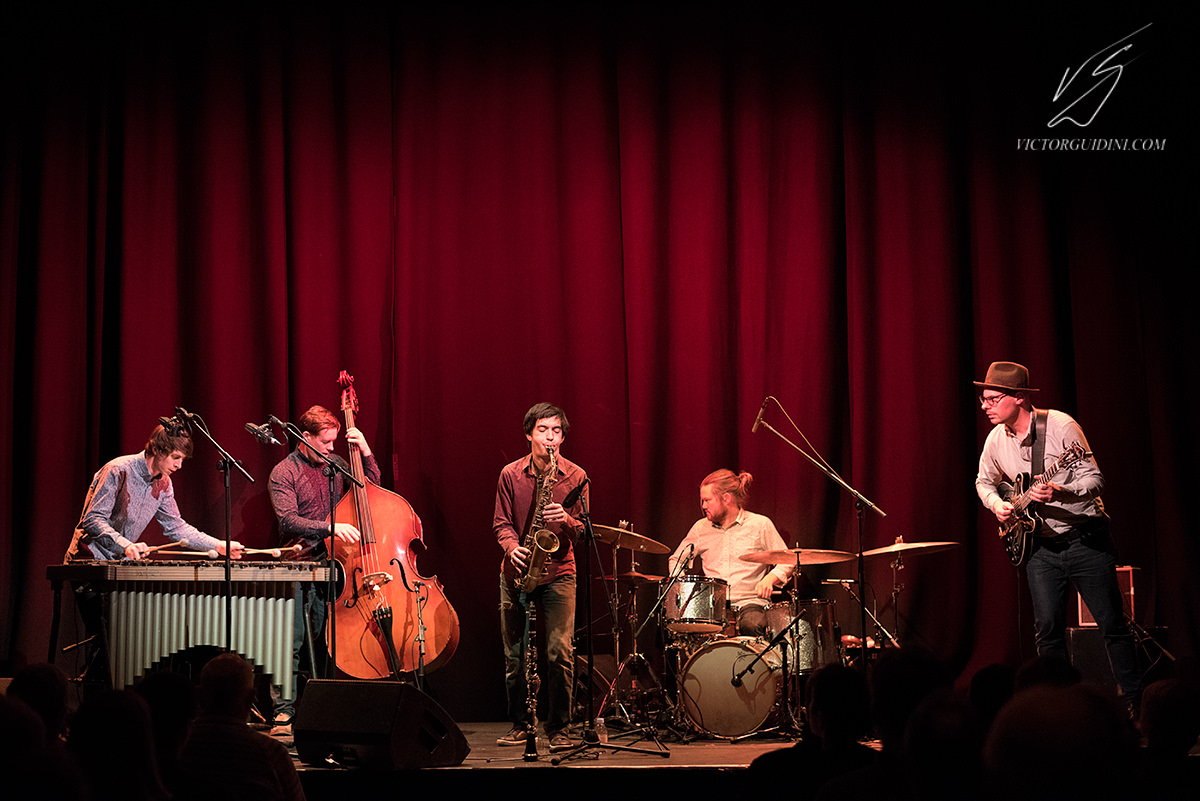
[389,619]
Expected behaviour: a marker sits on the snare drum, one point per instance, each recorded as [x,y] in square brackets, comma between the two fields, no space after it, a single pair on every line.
[710,700]
[809,642]
[696,605]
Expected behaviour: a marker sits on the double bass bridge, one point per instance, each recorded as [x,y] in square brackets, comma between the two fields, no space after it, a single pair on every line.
[374,582]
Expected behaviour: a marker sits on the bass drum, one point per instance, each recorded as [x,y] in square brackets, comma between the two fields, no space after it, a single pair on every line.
[810,642]
[708,696]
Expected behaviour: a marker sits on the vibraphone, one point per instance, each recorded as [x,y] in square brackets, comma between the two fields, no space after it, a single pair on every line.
[154,609]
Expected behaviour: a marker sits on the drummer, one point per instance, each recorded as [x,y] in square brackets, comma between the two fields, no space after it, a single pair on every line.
[726,532]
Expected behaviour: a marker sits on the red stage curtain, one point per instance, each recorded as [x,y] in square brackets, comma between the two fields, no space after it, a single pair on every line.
[654,222]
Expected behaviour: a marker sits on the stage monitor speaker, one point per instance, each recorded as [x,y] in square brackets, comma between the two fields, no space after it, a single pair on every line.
[379,724]
[1085,647]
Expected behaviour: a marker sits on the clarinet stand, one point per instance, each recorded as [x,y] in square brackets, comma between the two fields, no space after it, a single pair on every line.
[861,504]
[225,465]
[591,740]
[330,470]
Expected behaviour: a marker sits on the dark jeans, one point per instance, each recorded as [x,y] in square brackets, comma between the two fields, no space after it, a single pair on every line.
[1090,564]
[555,609]
[89,602]
[311,612]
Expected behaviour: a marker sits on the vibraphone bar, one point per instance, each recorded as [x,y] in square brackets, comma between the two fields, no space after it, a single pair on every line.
[154,609]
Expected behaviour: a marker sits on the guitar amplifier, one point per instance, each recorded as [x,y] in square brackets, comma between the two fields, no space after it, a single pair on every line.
[1126,580]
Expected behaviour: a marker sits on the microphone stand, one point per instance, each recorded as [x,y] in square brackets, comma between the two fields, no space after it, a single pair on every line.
[861,504]
[226,464]
[591,740]
[330,470]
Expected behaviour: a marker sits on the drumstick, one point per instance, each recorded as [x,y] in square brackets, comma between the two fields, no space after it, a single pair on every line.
[154,548]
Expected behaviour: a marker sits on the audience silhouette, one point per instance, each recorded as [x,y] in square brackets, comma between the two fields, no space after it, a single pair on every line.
[224,758]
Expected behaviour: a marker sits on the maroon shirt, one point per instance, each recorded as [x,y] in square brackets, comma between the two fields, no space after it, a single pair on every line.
[515,497]
[300,494]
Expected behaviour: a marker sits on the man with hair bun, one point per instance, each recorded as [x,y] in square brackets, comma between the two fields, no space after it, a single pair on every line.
[727,532]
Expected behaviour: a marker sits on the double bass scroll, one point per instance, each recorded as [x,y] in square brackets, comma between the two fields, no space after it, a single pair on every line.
[383,601]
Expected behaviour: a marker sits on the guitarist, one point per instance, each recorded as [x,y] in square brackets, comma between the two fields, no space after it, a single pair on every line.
[1071,542]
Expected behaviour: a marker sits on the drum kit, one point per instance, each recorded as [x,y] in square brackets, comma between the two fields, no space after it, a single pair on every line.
[725,684]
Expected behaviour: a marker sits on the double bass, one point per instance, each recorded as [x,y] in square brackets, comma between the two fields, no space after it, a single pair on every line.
[388,618]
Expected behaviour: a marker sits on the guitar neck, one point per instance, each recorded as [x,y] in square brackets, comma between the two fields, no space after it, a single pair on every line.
[1070,455]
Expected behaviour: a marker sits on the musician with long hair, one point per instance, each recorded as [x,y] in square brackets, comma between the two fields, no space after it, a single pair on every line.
[529,495]
[727,532]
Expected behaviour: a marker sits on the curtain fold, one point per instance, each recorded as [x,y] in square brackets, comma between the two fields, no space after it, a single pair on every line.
[655,225]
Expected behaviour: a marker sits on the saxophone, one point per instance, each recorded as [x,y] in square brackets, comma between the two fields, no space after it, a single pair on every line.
[540,540]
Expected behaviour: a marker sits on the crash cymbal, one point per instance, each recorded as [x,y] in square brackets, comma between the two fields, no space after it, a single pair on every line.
[923,547]
[620,538]
[632,577]
[803,556]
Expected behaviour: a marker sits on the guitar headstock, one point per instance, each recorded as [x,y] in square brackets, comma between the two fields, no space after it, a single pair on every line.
[349,397]
[1075,453]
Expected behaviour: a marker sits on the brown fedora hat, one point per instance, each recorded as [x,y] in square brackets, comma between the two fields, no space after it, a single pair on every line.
[1007,377]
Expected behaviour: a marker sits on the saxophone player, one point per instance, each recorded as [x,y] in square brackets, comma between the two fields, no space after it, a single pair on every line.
[529,496]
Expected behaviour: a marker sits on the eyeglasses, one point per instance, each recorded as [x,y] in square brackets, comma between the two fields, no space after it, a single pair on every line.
[988,401]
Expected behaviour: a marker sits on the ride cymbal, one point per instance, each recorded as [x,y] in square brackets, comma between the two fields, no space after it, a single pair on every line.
[803,556]
[620,538]
[923,547]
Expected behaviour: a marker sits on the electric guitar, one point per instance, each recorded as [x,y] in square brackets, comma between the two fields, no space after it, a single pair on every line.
[1019,529]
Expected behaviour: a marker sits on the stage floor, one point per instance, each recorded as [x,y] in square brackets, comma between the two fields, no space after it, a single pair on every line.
[701,763]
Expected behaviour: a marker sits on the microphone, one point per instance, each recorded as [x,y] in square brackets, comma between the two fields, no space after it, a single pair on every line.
[575,494]
[758,420]
[736,681]
[184,413]
[839,581]
[175,426]
[263,433]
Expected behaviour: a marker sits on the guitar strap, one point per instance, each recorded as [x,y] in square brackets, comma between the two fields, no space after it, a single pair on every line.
[1037,459]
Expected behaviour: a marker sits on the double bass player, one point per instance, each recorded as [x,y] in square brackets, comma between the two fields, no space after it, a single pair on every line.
[299,493]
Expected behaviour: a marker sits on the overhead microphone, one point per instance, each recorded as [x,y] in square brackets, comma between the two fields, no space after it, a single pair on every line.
[263,434]
[758,420]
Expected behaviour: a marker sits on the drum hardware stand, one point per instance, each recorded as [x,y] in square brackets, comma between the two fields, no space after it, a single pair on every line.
[635,657]
[879,627]
[678,727]
[590,739]
[861,503]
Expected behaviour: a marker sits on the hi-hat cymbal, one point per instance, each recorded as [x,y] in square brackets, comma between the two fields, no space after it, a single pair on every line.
[632,577]
[620,538]
[803,556]
[923,547]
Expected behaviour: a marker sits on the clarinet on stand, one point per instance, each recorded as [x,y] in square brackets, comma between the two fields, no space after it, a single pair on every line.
[532,683]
